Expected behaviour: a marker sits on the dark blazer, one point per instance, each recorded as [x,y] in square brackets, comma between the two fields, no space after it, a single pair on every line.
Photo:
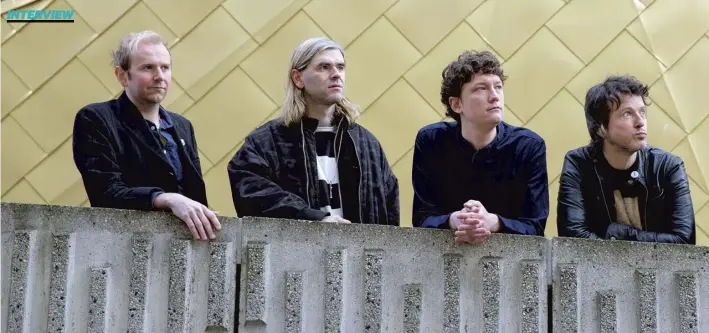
[122,163]
[585,203]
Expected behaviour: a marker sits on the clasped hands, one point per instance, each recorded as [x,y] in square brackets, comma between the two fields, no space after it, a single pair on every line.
[473,223]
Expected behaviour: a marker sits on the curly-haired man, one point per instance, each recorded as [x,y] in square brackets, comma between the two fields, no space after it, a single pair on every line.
[478,175]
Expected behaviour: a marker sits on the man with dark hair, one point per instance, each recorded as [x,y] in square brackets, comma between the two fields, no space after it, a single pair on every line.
[478,175]
[618,187]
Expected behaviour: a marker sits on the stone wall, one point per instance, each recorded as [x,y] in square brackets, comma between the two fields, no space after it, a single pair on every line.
[629,287]
[74,269]
[71,269]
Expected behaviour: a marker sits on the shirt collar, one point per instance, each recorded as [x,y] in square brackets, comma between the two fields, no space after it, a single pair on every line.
[165,120]
[492,145]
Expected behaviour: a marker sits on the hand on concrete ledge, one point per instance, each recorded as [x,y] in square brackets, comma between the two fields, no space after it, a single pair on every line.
[469,228]
[474,224]
[199,219]
[335,219]
[491,221]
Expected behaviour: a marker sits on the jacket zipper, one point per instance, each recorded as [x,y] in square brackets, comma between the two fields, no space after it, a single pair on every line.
[605,203]
[359,186]
[307,166]
[643,220]
[337,165]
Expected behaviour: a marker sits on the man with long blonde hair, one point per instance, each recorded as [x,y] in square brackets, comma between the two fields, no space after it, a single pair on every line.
[314,162]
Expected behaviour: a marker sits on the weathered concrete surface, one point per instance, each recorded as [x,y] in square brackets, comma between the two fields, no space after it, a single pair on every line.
[619,286]
[73,269]
[299,276]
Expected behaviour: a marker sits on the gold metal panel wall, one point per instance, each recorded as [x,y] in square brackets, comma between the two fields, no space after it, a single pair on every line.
[230,61]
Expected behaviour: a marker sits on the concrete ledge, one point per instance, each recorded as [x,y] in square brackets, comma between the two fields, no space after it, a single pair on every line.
[75,269]
[617,286]
[300,276]
[70,219]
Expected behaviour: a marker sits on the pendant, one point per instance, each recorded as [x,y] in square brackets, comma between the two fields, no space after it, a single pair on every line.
[330,191]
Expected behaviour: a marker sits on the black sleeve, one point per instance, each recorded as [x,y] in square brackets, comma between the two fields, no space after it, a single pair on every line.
[535,209]
[427,211]
[96,159]
[254,193]
[391,186]
[570,211]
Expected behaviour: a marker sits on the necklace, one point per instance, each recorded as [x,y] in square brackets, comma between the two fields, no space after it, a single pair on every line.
[328,179]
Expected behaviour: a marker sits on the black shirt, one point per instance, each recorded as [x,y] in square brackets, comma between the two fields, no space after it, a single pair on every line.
[508,176]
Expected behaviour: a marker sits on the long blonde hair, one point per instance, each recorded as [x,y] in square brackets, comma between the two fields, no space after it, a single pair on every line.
[293,109]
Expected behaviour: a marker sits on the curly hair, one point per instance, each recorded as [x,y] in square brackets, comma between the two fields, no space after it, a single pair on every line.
[604,97]
[461,71]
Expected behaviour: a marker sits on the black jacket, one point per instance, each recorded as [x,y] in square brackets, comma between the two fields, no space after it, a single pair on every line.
[508,176]
[586,208]
[122,163]
[274,174]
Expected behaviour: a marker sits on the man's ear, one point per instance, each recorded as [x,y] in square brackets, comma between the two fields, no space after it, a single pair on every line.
[455,104]
[297,78]
[121,75]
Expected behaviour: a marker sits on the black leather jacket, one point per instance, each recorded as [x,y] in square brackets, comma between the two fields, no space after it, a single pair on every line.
[586,207]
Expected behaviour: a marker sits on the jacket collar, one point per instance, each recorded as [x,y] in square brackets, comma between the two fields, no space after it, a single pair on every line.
[138,126]
[596,152]
[311,124]
[129,112]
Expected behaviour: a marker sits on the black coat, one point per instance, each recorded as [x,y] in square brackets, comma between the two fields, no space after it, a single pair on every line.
[122,163]
[274,174]
[585,207]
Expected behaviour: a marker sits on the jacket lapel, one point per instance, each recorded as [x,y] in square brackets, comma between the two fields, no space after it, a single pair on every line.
[178,132]
[642,171]
[138,128]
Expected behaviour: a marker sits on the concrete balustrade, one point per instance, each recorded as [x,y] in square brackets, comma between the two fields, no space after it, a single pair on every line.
[74,269]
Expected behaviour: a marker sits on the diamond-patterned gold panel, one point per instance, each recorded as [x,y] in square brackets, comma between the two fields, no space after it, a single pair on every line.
[230,59]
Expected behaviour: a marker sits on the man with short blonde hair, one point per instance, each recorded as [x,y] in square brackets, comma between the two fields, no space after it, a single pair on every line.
[134,154]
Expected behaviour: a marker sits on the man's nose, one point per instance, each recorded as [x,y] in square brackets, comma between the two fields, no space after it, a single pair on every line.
[159,75]
[336,73]
[640,121]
